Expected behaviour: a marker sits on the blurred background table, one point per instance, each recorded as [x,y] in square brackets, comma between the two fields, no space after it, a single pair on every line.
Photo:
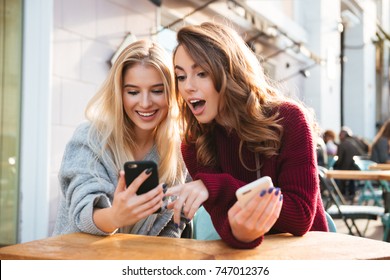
[368,192]
[380,166]
[359,175]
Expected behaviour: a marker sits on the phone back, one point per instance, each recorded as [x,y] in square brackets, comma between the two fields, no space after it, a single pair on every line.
[134,168]
[245,193]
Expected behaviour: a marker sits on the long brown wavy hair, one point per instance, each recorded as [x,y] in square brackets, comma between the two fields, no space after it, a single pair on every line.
[248,101]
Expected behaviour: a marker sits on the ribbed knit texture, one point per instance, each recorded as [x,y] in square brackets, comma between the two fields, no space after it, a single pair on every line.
[294,171]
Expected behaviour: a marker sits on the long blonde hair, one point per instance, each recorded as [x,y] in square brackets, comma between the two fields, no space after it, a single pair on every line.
[113,127]
[248,101]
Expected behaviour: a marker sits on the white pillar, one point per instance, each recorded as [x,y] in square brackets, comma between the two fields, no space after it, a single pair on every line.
[36,108]
[322,88]
[360,84]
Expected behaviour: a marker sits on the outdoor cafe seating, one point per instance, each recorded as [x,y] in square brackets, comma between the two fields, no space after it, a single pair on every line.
[337,207]
[370,190]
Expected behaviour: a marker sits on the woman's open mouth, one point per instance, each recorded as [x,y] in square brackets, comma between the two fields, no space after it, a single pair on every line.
[197,106]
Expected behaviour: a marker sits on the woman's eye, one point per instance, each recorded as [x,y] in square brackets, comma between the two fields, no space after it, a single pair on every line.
[158,91]
[180,77]
[202,74]
[132,92]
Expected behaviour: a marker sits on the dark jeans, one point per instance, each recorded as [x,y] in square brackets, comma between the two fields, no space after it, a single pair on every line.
[347,187]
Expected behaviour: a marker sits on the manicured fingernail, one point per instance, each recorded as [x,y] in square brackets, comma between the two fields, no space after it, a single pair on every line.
[277,191]
[149,170]
[270,190]
[188,221]
[165,188]
[281,197]
[176,226]
[263,192]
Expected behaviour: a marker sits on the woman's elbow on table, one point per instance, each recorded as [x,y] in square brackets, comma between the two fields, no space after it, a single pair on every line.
[295,227]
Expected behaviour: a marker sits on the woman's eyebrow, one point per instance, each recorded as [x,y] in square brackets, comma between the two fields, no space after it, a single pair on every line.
[129,85]
[158,85]
[193,66]
[135,86]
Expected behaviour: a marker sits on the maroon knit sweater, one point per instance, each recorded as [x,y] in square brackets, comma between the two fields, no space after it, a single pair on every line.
[293,170]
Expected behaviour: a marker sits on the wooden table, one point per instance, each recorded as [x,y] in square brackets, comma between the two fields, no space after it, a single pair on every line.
[313,245]
[380,166]
[368,192]
[359,175]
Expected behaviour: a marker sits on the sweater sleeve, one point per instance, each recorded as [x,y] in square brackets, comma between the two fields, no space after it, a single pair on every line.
[296,173]
[294,170]
[82,190]
[222,188]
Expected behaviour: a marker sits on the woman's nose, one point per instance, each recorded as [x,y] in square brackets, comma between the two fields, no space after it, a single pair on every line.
[189,85]
[145,101]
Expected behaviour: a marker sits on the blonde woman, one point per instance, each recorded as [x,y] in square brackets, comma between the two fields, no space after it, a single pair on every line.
[134,116]
[239,128]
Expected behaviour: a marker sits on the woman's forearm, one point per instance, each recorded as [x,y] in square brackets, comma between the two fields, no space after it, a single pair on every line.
[103,219]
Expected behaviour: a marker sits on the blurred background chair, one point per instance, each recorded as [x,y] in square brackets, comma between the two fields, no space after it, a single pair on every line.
[386,216]
[386,226]
[203,228]
[331,161]
[369,191]
[363,162]
[336,206]
[331,224]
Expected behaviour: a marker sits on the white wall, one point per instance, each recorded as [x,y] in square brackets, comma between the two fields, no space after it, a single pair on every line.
[35,119]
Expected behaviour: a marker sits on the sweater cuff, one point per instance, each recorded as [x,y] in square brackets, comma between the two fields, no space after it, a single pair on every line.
[221,224]
[243,245]
[86,223]
[213,183]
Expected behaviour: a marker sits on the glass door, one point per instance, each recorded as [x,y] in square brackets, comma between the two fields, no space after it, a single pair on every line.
[10,100]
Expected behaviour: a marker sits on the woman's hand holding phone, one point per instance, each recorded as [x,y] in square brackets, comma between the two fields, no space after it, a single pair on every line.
[127,207]
[135,168]
[132,207]
[257,215]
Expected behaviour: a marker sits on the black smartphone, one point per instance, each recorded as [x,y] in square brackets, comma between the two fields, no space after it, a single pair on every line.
[134,168]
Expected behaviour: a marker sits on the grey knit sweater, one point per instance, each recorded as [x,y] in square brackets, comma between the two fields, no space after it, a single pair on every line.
[88,181]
